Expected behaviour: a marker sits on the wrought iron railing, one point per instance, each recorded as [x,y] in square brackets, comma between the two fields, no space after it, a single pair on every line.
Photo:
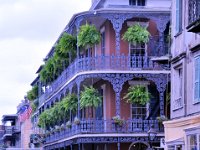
[155,47]
[9,130]
[107,63]
[194,11]
[105,127]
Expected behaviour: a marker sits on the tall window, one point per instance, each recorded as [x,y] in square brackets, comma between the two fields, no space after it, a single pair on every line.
[103,43]
[137,2]
[193,142]
[178,88]
[140,111]
[178,16]
[137,50]
[175,147]
[197,80]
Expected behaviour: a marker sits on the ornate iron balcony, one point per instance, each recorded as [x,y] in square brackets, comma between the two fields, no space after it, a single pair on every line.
[194,16]
[155,48]
[105,127]
[9,130]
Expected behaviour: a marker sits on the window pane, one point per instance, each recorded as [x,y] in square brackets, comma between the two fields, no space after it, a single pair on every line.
[171,147]
[178,147]
[141,2]
[197,77]
[192,142]
[132,2]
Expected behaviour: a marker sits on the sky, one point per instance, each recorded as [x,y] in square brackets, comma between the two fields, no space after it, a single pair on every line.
[28,30]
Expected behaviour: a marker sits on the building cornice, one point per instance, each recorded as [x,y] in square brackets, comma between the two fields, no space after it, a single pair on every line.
[178,58]
[195,48]
[185,121]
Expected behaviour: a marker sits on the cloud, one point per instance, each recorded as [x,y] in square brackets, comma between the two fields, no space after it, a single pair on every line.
[41,19]
[28,29]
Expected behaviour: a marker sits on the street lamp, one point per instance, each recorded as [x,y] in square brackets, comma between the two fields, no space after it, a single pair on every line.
[151,135]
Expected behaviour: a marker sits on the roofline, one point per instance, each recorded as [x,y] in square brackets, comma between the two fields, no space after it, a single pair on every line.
[111,11]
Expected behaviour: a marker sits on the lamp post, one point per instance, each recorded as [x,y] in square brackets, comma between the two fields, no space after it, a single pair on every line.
[151,136]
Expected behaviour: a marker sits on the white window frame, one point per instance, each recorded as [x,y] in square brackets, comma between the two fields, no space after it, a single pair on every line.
[136,3]
[179,15]
[178,91]
[174,147]
[197,136]
[145,84]
[196,79]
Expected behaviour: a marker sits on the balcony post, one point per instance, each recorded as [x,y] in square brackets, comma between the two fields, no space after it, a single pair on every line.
[78,96]
[161,43]
[78,83]
[161,96]
[77,24]
[118,146]
[161,22]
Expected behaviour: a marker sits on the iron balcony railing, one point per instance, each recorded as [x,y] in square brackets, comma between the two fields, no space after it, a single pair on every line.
[194,11]
[9,130]
[155,48]
[105,127]
[100,63]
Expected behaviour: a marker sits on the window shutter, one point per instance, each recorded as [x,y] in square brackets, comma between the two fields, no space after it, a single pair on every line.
[177,15]
[196,84]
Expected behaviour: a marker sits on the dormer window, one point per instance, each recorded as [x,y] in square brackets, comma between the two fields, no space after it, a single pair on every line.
[137,2]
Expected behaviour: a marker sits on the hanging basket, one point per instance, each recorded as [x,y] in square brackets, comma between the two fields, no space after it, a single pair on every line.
[136,34]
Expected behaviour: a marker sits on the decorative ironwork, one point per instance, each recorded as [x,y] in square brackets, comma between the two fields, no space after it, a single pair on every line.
[194,11]
[88,140]
[125,63]
[117,80]
[93,126]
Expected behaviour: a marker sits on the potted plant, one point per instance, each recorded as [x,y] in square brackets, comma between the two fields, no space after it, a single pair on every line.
[57,128]
[136,34]
[33,93]
[68,124]
[90,98]
[70,103]
[161,118]
[66,47]
[117,120]
[77,121]
[88,36]
[62,127]
[137,94]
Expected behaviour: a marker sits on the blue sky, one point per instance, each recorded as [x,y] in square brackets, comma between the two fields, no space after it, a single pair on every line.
[28,29]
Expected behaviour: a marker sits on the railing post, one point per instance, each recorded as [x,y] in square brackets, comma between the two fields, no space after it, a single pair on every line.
[118,144]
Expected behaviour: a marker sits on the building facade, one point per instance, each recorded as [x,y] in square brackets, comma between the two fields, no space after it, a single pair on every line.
[185,106]
[112,67]
[11,131]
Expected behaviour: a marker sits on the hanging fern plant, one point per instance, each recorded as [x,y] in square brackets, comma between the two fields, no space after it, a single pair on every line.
[137,94]
[70,102]
[136,34]
[88,36]
[90,98]
[66,44]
